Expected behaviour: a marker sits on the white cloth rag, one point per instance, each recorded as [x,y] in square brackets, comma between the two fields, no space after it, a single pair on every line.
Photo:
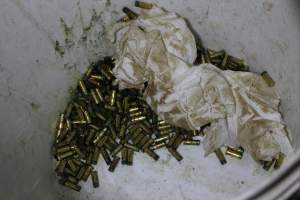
[159,48]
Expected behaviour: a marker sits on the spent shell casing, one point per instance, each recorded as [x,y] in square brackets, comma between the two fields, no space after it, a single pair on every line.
[268,79]
[95,179]
[130,146]
[143,5]
[72,186]
[113,98]
[124,156]
[220,156]
[99,94]
[64,155]
[87,173]
[191,142]
[268,164]
[61,167]
[95,97]
[234,152]
[100,116]
[157,145]
[279,160]
[83,87]
[87,117]
[105,155]
[99,135]
[152,154]
[114,164]
[129,13]
[72,165]
[138,119]
[130,154]
[96,154]
[175,154]
[224,61]
[80,173]
[162,138]
[117,150]
[179,139]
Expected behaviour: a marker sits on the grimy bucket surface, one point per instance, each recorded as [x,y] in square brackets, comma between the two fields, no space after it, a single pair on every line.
[36,74]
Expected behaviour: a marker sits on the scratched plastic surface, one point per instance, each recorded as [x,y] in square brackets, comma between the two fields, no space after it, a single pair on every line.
[35,78]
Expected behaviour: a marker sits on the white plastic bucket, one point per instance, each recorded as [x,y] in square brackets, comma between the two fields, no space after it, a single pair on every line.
[35,82]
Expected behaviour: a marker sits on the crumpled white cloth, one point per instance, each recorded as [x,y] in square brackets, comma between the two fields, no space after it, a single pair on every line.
[159,48]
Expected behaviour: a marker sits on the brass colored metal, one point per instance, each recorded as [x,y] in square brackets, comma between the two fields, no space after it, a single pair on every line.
[109,107]
[143,141]
[65,155]
[279,160]
[72,179]
[72,165]
[133,110]
[72,186]
[220,156]
[117,150]
[87,173]
[112,131]
[80,173]
[161,122]
[68,171]
[152,154]
[102,141]
[164,127]
[79,122]
[99,94]
[143,5]
[60,125]
[224,62]
[234,152]
[158,145]
[124,156]
[96,155]
[96,77]
[217,54]
[63,149]
[114,164]
[130,154]
[179,139]
[95,97]
[100,116]
[137,139]
[122,130]
[191,142]
[162,138]
[99,135]
[61,167]
[87,117]
[113,98]
[89,158]
[105,155]
[167,132]
[171,141]
[129,13]
[124,19]
[147,144]
[89,71]
[268,164]
[83,87]
[130,146]
[175,154]
[137,119]
[95,179]
[136,114]
[268,79]
[118,121]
